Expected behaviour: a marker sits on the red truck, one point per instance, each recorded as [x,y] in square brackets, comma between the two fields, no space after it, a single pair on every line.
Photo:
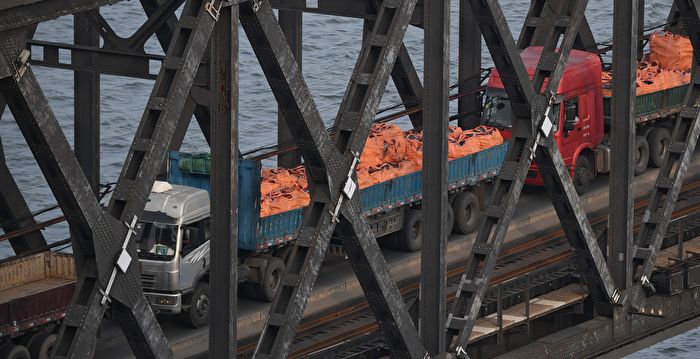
[35,293]
[582,125]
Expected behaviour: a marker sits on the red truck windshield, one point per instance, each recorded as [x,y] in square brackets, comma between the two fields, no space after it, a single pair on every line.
[497,110]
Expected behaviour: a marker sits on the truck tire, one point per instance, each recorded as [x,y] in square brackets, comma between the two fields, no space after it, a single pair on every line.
[467,212]
[583,174]
[197,315]
[14,351]
[658,140]
[450,220]
[410,237]
[641,155]
[41,345]
[275,269]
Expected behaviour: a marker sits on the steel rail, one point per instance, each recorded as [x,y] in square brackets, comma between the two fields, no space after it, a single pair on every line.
[453,276]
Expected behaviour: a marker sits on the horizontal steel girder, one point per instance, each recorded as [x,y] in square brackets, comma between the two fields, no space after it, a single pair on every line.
[361,9]
[24,15]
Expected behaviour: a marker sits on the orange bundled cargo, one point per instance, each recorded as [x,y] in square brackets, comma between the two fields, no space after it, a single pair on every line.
[388,153]
[667,66]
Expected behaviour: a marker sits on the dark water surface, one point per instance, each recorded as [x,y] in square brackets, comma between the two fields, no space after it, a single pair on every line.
[330,50]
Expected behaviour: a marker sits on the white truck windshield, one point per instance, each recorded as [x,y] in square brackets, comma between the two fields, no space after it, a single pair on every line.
[156,239]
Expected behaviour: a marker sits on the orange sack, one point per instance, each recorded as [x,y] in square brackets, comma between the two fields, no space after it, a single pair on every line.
[673,52]
[389,153]
[665,79]
[373,153]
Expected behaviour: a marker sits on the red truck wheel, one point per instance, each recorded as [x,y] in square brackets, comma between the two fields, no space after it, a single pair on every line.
[14,351]
[583,175]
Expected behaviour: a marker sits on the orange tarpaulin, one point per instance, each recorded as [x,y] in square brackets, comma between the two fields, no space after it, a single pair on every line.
[388,153]
[672,52]
[667,65]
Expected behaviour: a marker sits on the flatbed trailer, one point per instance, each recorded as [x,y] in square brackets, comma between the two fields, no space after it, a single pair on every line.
[392,208]
[35,293]
[658,105]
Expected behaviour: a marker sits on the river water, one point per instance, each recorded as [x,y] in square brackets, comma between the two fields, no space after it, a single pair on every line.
[330,48]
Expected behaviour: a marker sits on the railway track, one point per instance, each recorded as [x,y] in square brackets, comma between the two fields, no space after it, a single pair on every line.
[352,329]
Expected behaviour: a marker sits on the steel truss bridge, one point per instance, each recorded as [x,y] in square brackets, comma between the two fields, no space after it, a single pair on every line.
[198,78]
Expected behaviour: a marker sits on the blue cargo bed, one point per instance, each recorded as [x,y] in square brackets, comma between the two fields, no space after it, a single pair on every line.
[259,234]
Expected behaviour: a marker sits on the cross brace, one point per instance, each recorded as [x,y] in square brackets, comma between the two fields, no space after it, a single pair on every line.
[530,139]
[147,152]
[670,178]
[93,246]
[330,168]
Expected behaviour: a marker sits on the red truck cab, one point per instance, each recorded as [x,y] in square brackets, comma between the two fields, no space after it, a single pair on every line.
[579,126]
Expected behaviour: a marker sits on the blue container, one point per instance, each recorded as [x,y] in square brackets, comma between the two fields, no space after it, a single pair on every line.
[259,234]
[249,201]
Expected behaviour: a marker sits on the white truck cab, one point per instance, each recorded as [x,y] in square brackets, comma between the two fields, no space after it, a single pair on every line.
[173,246]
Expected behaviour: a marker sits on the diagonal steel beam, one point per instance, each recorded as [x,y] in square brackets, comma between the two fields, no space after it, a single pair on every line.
[328,165]
[530,137]
[14,212]
[538,25]
[164,35]
[405,78]
[408,85]
[670,178]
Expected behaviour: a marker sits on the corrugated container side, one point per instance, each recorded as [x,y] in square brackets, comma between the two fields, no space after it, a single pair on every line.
[248,193]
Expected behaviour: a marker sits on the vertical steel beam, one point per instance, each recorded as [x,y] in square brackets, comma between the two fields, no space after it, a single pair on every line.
[291,23]
[434,207]
[223,284]
[469,68]
[87,102]
[14,212]
[622,132]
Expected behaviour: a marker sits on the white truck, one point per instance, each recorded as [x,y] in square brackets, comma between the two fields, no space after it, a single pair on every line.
[173,246]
